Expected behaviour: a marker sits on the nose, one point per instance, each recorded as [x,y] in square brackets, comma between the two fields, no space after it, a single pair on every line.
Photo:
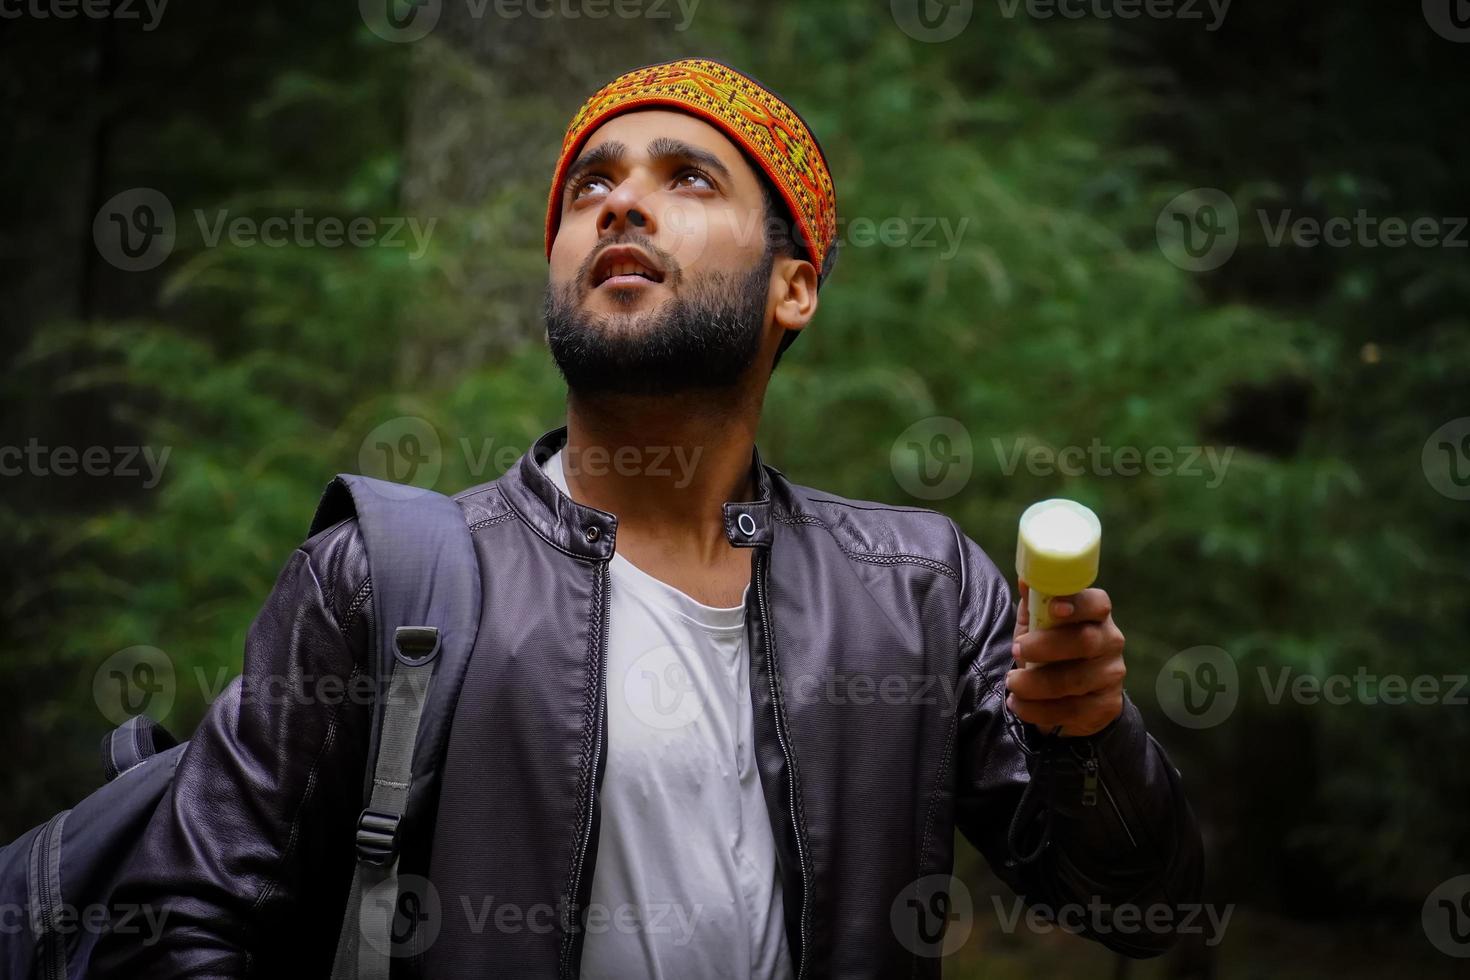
[624,208]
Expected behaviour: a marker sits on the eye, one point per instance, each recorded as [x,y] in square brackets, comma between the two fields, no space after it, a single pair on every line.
[693,177]
[582,182]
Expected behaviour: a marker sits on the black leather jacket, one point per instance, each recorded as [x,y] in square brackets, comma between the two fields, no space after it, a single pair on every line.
[251,852]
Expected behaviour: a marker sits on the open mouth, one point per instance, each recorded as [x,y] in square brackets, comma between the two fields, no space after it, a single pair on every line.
[625,266]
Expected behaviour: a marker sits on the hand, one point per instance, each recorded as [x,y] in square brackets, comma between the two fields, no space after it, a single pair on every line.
[1077,680]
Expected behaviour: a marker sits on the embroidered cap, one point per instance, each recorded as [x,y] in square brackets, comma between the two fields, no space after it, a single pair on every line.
[771,133]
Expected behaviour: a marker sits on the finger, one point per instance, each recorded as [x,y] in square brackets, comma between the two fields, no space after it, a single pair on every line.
[1087,606]
[1082,715]
[1075,641]
[1068,679]
[1023,614]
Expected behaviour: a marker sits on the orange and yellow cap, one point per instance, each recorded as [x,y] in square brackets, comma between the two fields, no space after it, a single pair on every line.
[770,132]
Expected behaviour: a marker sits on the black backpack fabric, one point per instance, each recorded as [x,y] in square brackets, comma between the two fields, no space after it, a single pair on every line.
[56,880]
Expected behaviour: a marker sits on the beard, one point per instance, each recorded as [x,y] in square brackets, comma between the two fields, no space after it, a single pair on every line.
[704,337]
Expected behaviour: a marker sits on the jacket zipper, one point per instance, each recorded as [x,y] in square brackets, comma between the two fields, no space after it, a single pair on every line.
[1092,781]
[597,736]
[762,560]
[51,948]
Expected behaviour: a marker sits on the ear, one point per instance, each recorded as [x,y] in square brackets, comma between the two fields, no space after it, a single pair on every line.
[796,292]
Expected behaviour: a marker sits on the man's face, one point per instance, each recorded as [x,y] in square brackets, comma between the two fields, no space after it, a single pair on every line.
[660,275]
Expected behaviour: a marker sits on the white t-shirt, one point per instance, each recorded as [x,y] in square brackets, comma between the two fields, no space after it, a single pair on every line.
[685,886]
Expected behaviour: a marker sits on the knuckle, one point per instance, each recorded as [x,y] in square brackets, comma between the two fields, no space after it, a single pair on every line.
[1117,671]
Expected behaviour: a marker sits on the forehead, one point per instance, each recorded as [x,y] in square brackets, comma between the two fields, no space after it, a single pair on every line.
[635,130]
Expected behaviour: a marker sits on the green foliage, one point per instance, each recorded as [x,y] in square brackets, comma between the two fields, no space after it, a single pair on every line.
[1049,319]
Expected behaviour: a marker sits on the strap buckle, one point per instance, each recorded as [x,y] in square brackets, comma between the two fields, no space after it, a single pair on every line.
[377,837]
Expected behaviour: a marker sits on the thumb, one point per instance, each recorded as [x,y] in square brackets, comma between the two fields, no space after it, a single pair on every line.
[1023,614]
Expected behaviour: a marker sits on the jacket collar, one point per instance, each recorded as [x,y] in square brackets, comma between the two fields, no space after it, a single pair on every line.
[591,533]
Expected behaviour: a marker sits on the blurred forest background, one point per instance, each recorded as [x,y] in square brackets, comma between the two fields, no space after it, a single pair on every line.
[1332,543]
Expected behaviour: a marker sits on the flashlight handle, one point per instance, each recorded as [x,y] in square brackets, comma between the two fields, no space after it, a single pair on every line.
[1038,610]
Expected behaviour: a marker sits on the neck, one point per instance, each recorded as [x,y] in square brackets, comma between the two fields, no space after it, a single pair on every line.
[664,465]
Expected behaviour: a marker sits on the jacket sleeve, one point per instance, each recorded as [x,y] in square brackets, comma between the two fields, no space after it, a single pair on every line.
[248,859]
[1123,861]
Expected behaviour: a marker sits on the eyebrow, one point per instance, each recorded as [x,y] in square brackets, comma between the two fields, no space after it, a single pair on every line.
[662,150]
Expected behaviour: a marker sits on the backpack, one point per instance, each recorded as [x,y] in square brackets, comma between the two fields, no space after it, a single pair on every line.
[426,595]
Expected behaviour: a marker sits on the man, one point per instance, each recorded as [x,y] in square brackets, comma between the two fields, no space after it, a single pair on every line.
[716,724]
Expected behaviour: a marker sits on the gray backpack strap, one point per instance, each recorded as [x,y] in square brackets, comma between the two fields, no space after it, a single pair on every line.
[426,599]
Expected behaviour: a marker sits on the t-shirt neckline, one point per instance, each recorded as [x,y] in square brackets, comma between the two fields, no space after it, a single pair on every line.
[714,618]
